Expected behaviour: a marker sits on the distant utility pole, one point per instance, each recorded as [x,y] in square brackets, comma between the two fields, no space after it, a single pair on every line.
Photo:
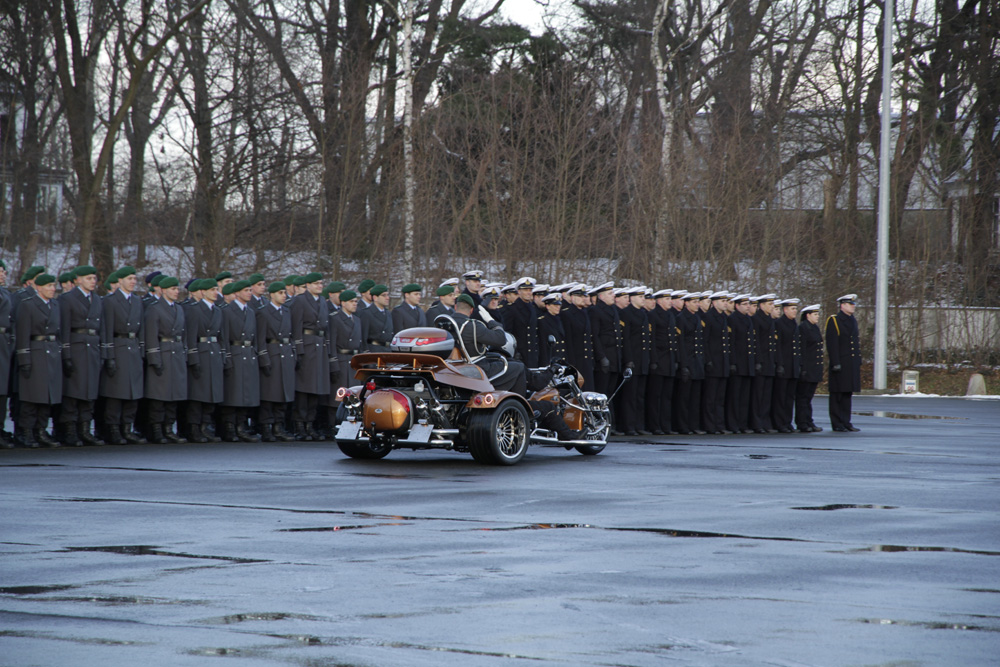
[882,242]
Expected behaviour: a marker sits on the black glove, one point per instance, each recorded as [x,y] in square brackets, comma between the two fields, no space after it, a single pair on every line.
[653,366]
[732,368]
[758,367]
[196,371]
[685,374]
[227,371]
[709,364]
[68,367]
[266,370]
[780,370]
[605,364]
[631,365]
[26,371]
[835,368]
[298,361]
[110,367]
[158,370]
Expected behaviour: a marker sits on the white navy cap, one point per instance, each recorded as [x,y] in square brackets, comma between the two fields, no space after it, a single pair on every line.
[579,289]
[450,281]
[718,295]
[847,297]
[739,298]
[473,275]
[492,290]
[810,308]
[790,302]
[678,294]
[524,282]
[555,297]
[540,289]
[662,293]
[619,291]
[507,289]
[691,296]
[767,297]
[603,287]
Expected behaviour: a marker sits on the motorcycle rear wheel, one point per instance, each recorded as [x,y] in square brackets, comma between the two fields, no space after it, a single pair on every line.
[500,436]
[364,450]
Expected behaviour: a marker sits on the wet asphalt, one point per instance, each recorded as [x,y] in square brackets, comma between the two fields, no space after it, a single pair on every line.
[873,548]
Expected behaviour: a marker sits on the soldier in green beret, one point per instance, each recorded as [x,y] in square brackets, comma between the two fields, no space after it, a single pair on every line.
[6,350]
[277,365]
[445,305]
[153,295]
[310,329]
[241,374]
[166,359]
[346,341]
[66,281]
[376,321]
[81,313]
[290,287]
[38,360]
[332,293]
[408,313]
[27,287]
[122,349]
[365,292]
[258,290]
[222,279]
[202,336]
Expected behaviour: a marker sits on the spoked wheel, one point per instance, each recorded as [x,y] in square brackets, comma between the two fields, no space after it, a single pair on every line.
[364,450]
[600,442]
[500,436]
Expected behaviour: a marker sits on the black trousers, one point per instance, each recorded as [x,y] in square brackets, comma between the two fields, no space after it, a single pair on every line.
[305,407]
[119,411]
[659,402]
[32,415]
[199,413]
[230,414]
[272,413]
[713,396]
[840,409]
[161,412]
[76,410]
[804,392]
[738,403]
[760,402]
[687,405]
[632,403]
[783,402]
[606,384]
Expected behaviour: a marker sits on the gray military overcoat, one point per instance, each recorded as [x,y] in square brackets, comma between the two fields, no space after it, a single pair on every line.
[165,348]
[121,340]
[80,321]
[37,340]
[241,383]
[202,333]
[274,333]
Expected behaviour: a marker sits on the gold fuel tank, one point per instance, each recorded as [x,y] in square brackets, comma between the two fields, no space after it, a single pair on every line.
[388,409]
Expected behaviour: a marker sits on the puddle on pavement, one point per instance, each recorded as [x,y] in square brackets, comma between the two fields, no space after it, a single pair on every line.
[35,590]
[896,548]
[899,415]
[981,590]
[929,625]
[759,456]
[147,550]
[830,508]
[329,529]
[668,532]
[260,616]
[99,641]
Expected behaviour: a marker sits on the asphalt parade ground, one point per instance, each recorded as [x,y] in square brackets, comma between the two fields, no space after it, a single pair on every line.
[874,548]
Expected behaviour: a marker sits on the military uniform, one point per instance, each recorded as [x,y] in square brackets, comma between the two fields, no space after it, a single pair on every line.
[523,321]
[607,331]
[376,327]
[121,384]
[786,373]
[843,346]
[717,361]
[166,377]
[202,336]
[310,324]
[37,331]
[579,342]
[663,361]
[241,370]
[637,343]
[762,385]
[345,332]
[277,382]
[743,360]
[80,317]
[690,374]
[810,374]
[405,316]
[550,325]
[6,356]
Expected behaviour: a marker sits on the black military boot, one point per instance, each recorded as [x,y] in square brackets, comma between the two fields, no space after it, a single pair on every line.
[5,442]
[131,436]
[43,438]
[281,435]
[244,433]
[156,434]
[170,436]
[83,429]
[70,437]
[210,433]
[115,435]
[25,437]
[229,432]
[267,432]
[301,433]
[195,434]
[313,434]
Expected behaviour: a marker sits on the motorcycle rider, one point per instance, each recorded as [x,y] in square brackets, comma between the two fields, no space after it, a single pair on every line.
[482,337]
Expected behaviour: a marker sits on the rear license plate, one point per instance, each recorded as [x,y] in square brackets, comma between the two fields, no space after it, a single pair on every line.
[420,433]
[348,431]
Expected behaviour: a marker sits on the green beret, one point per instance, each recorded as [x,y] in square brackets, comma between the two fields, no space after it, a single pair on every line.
[223,275]
[107,284]
[255,278]
[113,278]
[445,290]
[299,281]
[208,283]
[348,295]
[290,279]
[379,289]
[412,287]
[240,285]
[366,285]
[227,289]
[465,298]
[163,282]
[66,276]
[3,265]
[195,285]
[313,277]
[84,270]
[32,272]
[44,279]
[336,286]
[125,271]
[329,289]
[276,286]
[157,280]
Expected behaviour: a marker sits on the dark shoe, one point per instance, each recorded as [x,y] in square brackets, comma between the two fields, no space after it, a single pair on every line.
[43,438]
[156,435]
[301,433]
[815,429]
[131,437]
[615,431]
[70,437]
[631,434]
[196,434]
[244,434]
[25,437]
[313,434]
[570,434]
[83,428]
[170,436]
[840,429]
[784,429]
[267,432]
[210,433]
[747,431]
[115,435]
[805,429]
[281,434]
[229,433]
[852,427]
[642,432]
[759,431]
[5,441]
[698,431]
[771,431]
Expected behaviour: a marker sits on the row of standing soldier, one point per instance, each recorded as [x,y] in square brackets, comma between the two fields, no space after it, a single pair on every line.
[265,360]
